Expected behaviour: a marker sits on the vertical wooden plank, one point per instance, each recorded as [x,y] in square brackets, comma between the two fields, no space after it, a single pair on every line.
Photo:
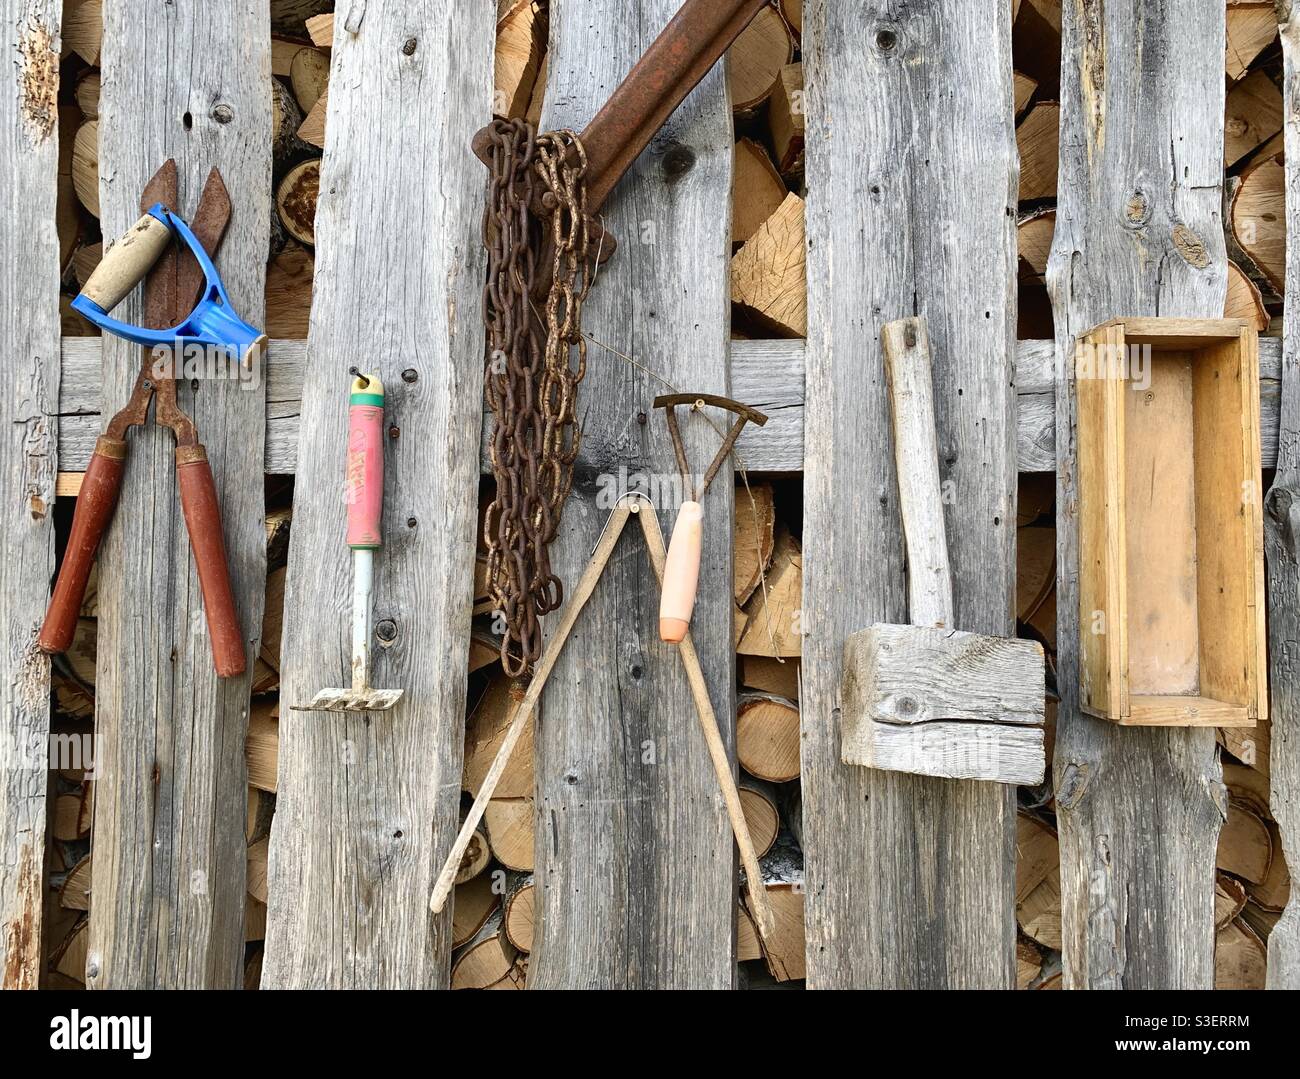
[29,343]
[189,82]
[912,179]
[367,804]
[1138,232]
[634,853]
[1282,546]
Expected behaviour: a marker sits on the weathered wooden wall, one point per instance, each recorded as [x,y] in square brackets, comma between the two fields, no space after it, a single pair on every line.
[912,180]
[1282,547]
[1139,809]
[189,82]
[367,804]
[634,852]
[29,343]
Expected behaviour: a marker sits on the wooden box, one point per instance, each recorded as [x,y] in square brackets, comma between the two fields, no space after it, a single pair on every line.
[1171,556]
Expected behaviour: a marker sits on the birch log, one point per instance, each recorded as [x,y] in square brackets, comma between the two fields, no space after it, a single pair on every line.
[29,343]
[910,211]
[171,787]
[635,860]
[1138,232]
[1282,547]
[368,804]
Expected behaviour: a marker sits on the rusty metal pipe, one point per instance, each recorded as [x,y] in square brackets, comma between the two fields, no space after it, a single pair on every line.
[692,42]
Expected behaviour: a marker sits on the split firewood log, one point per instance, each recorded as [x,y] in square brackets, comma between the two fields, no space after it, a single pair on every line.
[1038,881]
[1260,920]
[320,28]
[74,892]
[260,811]
[767,674]
[1029,962]
[1037,138]
[759,801]
[295,200]
[309,74]
[85,260]
[83,30]
[283,50]
[1247,786]
[1250,745]
[1229,899]
[472,904]
[1239,957]
[1245,847]
[69,958]
[772,626]
[1022,90]
[757,190]
[747,946]
[288,293]
[486,730]
[783,950]
[1035,569]
[767,736]
[519,49]
[1251,28]
[291,16]
[72,813]
[785,120]
[1034,240]
[483,650]
[1253,115]
[476,857]
[1274,890]
[286,118]
[85,166]
[489,960]
[273,618]
[1244,300]
[533,114]
[254,921]
[509,825]
[87,95]
[755,537]
[1258,217]
[1036,43]
[262,745]
[519,917]
[257,855]
[755,59]
[768,275]
[312,129]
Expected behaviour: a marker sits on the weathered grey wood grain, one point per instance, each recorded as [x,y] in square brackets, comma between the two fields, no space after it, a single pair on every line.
[190,82]
[635,858]
[1137,233]
[766,374]
[29,343]
[367,807]
[912,180]
[1282,548]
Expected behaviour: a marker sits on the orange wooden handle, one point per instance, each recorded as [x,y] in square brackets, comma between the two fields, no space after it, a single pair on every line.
[95,503]
[203,520]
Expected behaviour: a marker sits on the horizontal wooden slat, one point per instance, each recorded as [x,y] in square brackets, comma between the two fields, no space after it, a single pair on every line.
[765,374]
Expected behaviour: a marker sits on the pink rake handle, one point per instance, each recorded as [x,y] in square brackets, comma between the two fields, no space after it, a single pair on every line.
[365,468]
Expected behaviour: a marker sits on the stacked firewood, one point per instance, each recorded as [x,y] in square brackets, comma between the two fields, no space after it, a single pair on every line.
[1255,224]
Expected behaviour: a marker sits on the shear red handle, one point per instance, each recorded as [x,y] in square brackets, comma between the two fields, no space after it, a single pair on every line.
[203,521]
[99,489]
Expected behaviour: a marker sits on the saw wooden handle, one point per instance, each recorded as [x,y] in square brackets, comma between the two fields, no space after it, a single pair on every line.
[95,503]
[126,262]
[681,573]
[203,521]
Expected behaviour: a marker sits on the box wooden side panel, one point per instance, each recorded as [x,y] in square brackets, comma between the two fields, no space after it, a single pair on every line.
[1101,528]
[1228,523]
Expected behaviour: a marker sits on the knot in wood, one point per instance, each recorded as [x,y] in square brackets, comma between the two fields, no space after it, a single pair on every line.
[678,160]
[223,114]
[886,39]
[1137,211]
[1190,246]
[386,630]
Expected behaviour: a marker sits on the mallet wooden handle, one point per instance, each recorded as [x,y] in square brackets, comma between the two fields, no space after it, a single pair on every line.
[127,261]
[95,504]
[916,458]
[203,521]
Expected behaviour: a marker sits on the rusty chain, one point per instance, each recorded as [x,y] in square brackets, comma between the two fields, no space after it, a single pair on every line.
[534,364]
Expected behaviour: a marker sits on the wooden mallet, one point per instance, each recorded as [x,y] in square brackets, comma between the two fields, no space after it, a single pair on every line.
[927,698]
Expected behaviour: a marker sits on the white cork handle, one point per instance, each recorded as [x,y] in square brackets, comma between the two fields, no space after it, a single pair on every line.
[127,261]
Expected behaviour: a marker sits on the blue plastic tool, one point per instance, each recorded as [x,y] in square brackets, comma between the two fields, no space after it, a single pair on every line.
[213,322]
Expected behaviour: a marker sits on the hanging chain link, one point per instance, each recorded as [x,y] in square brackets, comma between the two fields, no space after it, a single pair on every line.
[534,364]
